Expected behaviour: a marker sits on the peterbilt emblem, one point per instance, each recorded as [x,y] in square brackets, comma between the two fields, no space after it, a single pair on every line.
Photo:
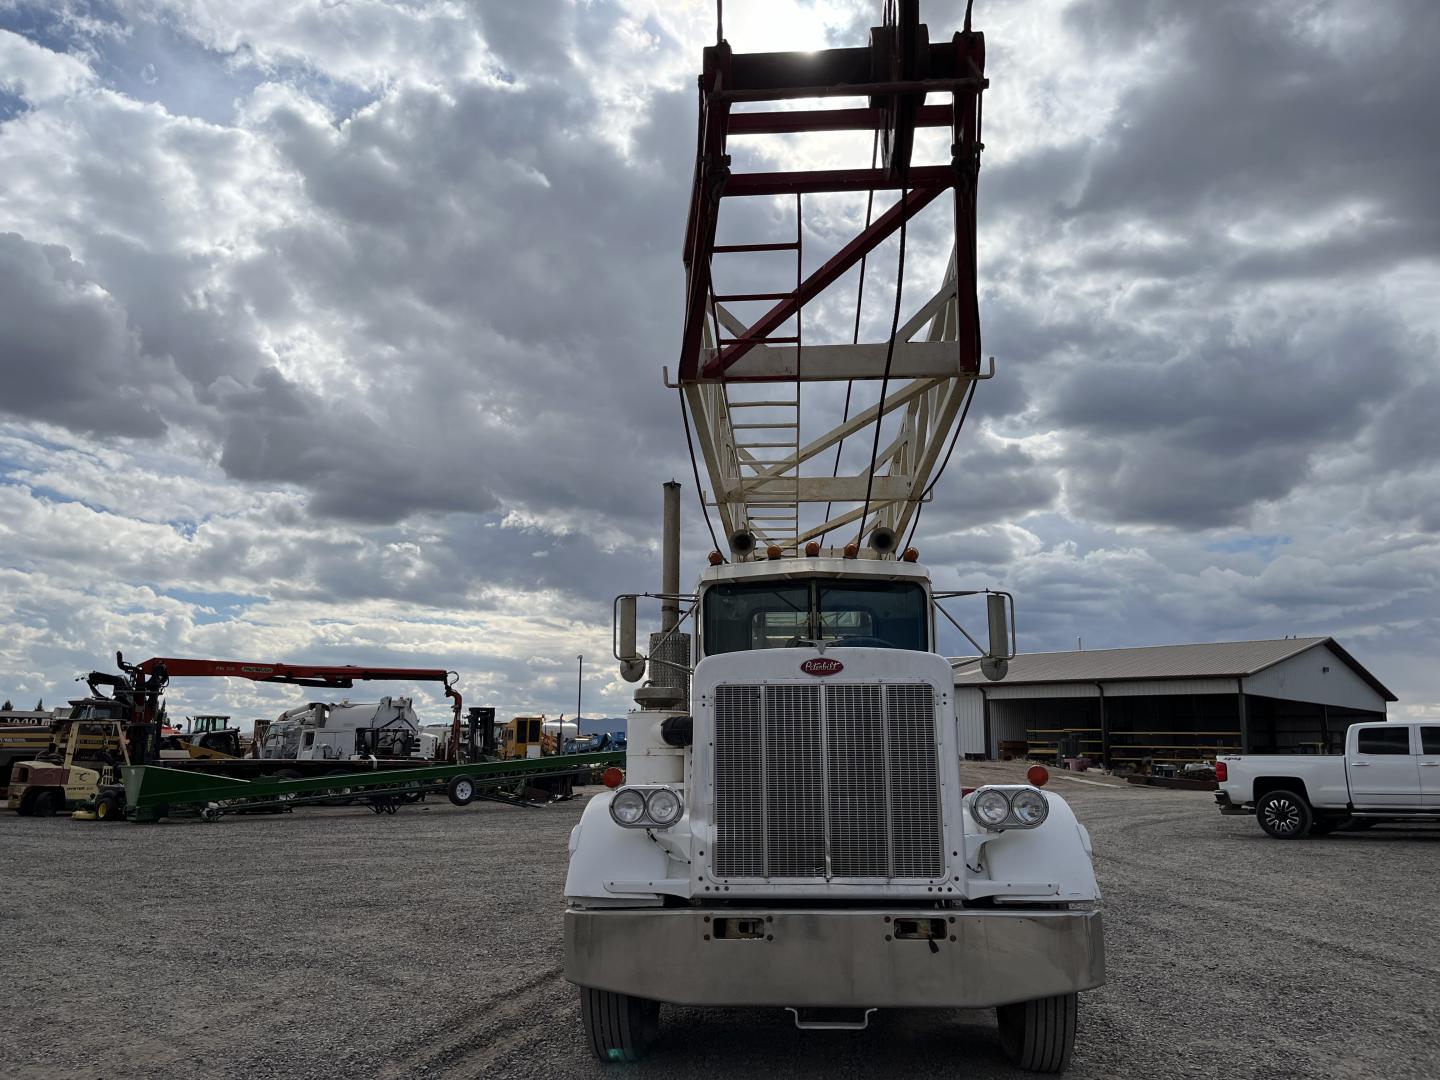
[822,665]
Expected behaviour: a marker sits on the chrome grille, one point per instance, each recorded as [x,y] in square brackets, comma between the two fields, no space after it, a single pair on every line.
[794,792]
[739,800]
[810,774]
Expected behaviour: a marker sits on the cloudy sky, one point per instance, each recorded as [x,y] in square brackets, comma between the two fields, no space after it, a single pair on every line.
[332,331]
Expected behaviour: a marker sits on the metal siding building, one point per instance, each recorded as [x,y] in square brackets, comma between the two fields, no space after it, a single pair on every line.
[1170,702]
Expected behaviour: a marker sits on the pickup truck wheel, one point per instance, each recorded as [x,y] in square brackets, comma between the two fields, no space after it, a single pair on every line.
[621,1027]
[1039,1035]
[1284,815]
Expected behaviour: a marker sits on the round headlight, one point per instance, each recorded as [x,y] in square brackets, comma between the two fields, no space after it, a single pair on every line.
[628,806]
[664,806]
[1029,807]
[990,808]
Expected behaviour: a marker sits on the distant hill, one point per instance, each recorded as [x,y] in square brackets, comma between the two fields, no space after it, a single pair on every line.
[608,723]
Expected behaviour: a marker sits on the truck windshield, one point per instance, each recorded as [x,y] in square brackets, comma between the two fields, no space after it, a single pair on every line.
[779,615]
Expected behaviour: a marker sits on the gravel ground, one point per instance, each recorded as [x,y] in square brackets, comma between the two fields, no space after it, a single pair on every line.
[333,943]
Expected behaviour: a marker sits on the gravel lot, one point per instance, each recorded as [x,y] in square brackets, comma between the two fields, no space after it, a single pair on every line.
[333,943]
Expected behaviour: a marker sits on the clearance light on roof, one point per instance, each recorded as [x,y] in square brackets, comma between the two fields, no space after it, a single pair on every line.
[812,548]
[716,558]
[774,551]
[852,550]
[911,554]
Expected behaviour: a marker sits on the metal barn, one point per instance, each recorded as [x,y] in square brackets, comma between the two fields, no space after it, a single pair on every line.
[1169,703]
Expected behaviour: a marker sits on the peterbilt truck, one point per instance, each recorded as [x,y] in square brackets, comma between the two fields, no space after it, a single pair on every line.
[801,837]
[793,829]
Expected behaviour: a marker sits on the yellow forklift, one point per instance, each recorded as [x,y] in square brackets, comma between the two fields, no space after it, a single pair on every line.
[46,785]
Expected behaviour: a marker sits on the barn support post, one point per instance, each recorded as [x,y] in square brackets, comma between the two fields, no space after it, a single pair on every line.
[1244,719]
[1104,727]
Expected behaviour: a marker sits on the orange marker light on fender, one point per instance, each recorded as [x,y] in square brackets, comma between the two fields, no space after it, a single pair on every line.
[613,777]
[716,558]
[812,548]
[911,554]
[1038,775]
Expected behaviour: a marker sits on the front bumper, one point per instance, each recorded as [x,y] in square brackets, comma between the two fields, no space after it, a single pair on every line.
[1225,806]
[835,958]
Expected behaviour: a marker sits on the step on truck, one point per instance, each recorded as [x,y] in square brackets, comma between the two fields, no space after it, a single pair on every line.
[793,830]
[1390,771]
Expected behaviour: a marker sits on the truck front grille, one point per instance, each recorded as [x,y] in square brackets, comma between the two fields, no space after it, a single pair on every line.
[827,781]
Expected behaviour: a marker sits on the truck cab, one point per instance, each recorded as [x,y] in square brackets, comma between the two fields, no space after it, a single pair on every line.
[793,830]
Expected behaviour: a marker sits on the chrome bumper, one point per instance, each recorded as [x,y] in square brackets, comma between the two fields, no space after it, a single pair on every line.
[830,958]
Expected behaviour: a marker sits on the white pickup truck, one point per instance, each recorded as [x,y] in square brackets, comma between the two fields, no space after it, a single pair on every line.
[1390,771]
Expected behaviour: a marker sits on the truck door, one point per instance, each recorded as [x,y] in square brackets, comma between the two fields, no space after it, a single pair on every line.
[1384,770]
[1430,766]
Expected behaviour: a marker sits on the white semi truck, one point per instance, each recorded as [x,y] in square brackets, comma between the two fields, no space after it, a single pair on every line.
[793,829]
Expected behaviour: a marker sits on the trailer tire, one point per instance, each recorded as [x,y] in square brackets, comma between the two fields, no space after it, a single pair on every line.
[1039,1035]
[108,807]
[1284,815]
[44,804]
[620,1027]
[460,790]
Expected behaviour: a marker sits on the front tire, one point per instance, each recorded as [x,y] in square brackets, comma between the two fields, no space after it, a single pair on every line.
[44,805]
[1039,1035]
[1284,815]
[620,1027]
[108,807]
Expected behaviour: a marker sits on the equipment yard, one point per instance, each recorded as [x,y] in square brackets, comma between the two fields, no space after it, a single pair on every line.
[334,943]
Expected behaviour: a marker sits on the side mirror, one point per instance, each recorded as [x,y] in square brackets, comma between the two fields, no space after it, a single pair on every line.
[632,665]
[999,617]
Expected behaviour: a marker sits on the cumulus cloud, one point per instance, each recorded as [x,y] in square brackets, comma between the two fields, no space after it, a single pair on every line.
[334,331]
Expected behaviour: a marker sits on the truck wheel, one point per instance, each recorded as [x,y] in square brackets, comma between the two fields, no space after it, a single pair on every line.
[44,804]
[1039,1035]
[621,1027]
[109,808]
[461,790]
[1284,815]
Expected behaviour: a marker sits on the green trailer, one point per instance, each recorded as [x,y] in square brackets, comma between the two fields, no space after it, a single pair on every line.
[153,791]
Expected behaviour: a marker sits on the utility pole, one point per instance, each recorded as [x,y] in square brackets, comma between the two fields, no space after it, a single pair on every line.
[579,689]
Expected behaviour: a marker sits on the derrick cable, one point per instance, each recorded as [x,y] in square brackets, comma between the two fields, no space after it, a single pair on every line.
[955,438]
[889,359]
[855,337]
[695,468]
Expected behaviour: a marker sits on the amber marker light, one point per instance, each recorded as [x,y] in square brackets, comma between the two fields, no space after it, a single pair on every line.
[716,558]
[774,551]
[812,548]
[851,550]
[911,554]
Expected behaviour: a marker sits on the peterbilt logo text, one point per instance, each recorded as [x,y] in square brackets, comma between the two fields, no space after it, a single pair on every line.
[822,665]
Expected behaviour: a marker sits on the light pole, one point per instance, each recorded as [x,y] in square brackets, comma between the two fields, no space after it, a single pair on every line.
[579,688]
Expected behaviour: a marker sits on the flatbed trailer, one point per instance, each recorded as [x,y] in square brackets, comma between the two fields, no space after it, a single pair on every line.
[153,791]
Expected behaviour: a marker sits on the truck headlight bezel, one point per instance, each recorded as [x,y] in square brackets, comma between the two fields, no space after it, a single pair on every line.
[661,806]
[1026,807]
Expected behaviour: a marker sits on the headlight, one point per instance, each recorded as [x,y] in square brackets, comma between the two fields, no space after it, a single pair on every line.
[628,807]
[646,807]
[1029,807]
[664,806]
[1009,807]
[990,808]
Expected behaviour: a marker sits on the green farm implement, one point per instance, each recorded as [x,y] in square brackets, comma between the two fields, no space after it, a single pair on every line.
[152,791]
